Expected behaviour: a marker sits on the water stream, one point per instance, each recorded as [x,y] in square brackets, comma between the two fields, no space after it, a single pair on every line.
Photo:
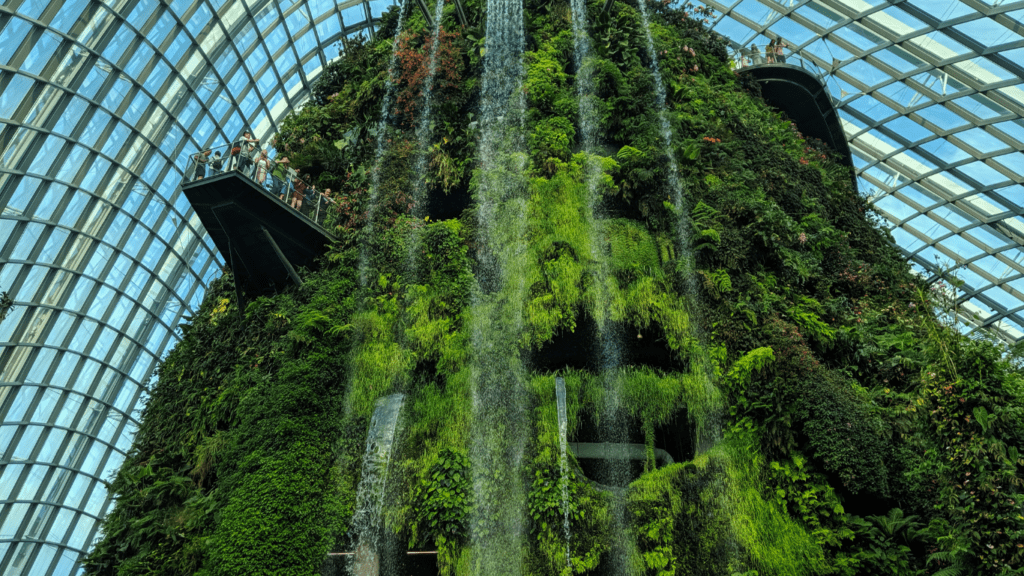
[563,433]
[423,137]
[369,535]
[500,418]
[708,432]
[708,429]
[613,425]
[382,141]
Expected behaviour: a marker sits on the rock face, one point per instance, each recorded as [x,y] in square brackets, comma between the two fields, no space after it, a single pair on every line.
[769,389]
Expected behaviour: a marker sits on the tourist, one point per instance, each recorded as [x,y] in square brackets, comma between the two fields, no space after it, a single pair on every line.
[247,154]
[769,52]
[280,174]
[271,183]
[262,167]
[756,54]
[746,56]
[217,164]
[201,161]
[313,193]
[779,56]
[298,192]
[236,149]
[289,174]
[742,61]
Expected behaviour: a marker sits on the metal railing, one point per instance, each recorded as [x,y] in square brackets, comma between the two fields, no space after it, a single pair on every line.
[754,56]
[291,188]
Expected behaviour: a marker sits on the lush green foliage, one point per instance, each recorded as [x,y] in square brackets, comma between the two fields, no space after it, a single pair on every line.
[844,427]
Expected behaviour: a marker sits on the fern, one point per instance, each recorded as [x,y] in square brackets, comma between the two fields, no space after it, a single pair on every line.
[804,315]
[703,214]
[708,238]
[956,567]
[717,282]
[752,362]
[630,154]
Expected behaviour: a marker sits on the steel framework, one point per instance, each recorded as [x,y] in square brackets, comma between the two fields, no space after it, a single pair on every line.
[100,104]
[932,98]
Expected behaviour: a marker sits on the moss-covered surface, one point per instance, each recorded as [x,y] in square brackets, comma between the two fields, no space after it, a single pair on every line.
[857,431]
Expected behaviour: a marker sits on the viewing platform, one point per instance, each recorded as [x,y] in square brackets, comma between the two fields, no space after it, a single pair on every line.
[264,238]
[797,87]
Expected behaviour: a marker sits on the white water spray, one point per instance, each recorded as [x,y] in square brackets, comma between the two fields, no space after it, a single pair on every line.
[500,419]
[382,129]
[368,519]
[563,433]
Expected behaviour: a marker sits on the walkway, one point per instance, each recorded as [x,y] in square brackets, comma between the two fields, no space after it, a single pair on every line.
[264,240]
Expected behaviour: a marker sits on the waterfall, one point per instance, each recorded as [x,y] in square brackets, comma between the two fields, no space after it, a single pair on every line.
[708,427]
[613,425]
[368,521]
[423,134]
[382,129]
[709,431]
[675,185]
[563,432]
[584,77]
[500,420]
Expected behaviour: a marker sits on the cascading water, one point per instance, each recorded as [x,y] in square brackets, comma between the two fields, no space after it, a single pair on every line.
[563,433]
[382,129]
[584,77]
[368,521]
[613,424]
[709,430]
[500,423]
[423,134]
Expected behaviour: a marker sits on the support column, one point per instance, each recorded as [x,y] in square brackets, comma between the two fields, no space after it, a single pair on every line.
[280,256]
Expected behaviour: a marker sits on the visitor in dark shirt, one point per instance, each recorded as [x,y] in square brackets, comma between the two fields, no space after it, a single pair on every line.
[236,150]
[298,191]
[283,175]
[216,164]
[246,154]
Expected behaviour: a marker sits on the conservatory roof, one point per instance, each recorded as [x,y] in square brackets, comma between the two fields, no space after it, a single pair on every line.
[931,95]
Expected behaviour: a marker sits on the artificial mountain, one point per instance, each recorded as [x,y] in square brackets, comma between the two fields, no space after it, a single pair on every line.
[706,281]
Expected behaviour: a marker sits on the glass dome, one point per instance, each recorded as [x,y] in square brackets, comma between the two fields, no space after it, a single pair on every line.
[101,102]
[931,95]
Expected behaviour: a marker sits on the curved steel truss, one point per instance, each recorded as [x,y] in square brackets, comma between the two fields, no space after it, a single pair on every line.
[932,98]
[101,102]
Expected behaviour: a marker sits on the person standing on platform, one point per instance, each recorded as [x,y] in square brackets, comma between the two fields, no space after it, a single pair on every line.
[780,56]
[271,184]
[236,151]
[245,155]
[755,53]
[286,174]
[298,191]
[262,167]
[216,164]
[201,162]
[769,52]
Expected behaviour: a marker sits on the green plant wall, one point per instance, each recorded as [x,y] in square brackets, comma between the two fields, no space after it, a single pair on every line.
[856,431]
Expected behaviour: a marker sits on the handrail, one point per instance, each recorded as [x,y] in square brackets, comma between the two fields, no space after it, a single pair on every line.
[753,57]
[291,188]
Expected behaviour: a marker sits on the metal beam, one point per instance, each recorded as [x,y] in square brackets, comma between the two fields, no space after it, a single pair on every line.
[460,13]
[280,256]
[426,13]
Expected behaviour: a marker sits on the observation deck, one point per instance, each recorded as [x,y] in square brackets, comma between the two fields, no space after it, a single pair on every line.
[797,87]
[263,237]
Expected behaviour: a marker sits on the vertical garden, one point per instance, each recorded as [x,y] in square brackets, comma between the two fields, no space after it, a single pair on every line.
[705,280]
